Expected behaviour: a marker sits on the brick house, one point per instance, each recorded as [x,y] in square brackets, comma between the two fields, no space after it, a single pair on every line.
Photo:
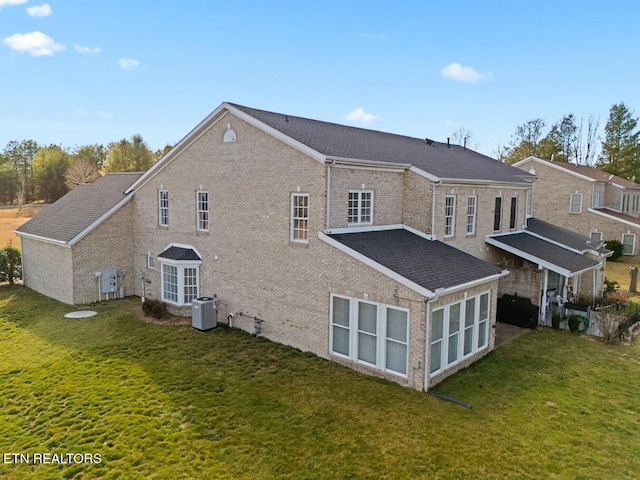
[587,201]
[360,246]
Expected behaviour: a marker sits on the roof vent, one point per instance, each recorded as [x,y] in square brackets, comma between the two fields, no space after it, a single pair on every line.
[286,118]
[428,141]
[448,142]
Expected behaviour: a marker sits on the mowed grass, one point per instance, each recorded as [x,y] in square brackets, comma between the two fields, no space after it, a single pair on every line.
[167,402]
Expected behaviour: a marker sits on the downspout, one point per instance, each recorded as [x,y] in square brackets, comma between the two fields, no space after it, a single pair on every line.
[328,220]
[433,210]
[427,345]
[22,260]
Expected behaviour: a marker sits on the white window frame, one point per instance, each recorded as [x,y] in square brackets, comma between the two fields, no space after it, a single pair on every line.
[299,230]
[573,203]
[598,234]
[359,208]
[528,203]
[382,339]
[150,261]
[596,197]
[163,208]
[633,244]
[202,210]
[479,331]
[449,216]
[472,208]
[181,268]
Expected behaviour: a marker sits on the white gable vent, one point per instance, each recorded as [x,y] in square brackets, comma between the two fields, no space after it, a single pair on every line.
[229,135]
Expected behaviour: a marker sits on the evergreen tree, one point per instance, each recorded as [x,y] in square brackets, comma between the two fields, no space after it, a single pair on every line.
[621,146]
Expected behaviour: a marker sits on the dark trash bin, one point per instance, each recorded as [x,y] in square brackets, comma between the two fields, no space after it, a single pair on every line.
[518,311]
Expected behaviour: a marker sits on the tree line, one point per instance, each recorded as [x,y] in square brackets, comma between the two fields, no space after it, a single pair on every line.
[581,142]
[30,172]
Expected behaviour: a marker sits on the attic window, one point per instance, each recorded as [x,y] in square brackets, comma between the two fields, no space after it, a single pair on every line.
[229,135]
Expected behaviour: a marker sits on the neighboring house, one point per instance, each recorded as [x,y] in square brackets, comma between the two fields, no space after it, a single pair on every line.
[587,201]
[360,246]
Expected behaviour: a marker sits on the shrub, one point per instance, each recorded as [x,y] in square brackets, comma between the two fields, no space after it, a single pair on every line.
[154,308]
[610,286]
[574,323]
[610,323]
[616,247]
[10,264]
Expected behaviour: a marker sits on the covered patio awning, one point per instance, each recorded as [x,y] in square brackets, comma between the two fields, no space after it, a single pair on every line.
[543,253]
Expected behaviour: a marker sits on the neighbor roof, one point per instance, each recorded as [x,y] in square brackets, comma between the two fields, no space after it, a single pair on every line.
[558,235]
[79,209]
[339,141]
[622,217]
[430,264]
[590,172]
[541,252]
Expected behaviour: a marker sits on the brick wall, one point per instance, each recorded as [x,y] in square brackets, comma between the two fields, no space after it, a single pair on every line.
[110,245]
[48,269]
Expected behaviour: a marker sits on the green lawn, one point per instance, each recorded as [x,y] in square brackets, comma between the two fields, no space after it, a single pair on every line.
[166,402]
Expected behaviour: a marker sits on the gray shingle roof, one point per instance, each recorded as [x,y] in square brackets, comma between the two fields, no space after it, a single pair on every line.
[179,254]
[78,209]
[557,257]
[557,234]
[619,215]
[428,263]
[342,141]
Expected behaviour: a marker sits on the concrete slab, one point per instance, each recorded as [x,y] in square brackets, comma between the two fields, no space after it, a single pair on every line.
[81,314]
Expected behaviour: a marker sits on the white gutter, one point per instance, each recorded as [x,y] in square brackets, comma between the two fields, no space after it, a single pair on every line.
[60,243]
[369,163]
[328,222]
[463,286]
[611,217]
[537,260]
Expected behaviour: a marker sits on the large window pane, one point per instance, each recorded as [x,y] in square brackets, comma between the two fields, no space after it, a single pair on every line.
[454,332]
[436,356]
[397,324]
[341,311]
[437,324]
[367,347]
[469,322]
[397,357]
[341,340]
[367,317]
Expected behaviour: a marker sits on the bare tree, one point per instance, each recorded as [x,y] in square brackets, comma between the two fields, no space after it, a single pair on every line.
[83,170]
[464,137]
[585,150]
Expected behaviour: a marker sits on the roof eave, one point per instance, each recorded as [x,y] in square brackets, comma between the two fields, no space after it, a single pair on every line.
[40,238]
[612,217]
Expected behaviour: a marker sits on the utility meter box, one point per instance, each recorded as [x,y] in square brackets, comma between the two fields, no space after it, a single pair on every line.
[109,281]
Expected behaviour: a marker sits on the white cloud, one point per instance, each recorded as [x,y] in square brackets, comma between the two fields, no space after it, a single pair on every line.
[83,49]
[128,63]
[105,115]
[4,3]
[35,43]
[43,10]
[359,115]
[461,73]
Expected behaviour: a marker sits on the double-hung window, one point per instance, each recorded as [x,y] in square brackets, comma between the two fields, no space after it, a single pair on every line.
[370,333]
[575,203]
[163,208]
[471,214]
[595,238]
[458,331]
[360,207]
[628,243]
[202,210]
[497,214]
[449,215]
[299,218]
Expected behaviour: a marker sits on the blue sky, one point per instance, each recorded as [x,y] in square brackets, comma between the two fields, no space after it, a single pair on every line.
[81,72]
